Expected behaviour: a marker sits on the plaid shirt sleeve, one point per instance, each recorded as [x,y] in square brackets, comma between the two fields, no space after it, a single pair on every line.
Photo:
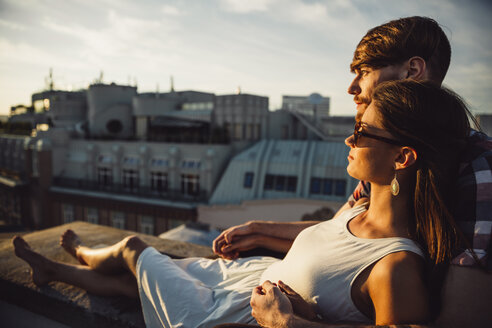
[363,189]
[473,205]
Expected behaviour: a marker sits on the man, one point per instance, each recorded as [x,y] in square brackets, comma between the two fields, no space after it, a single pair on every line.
[408,48]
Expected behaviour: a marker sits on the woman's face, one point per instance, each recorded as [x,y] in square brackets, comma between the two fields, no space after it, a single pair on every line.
[371,159]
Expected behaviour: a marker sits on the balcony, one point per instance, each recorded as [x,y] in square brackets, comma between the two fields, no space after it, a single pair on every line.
[141,191]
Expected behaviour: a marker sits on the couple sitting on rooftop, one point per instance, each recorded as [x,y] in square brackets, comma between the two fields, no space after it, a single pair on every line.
[378,260]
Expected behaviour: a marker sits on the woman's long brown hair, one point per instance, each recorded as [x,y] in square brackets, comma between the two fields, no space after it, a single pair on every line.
[433,121]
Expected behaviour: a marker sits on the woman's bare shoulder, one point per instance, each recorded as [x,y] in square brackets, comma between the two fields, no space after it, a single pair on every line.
[398,289]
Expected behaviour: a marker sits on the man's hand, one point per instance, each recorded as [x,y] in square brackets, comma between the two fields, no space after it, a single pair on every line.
[270,307]
[236,239]
[299,305]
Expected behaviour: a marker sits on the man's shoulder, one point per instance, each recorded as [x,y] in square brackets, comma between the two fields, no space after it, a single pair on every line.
[479,143]
[477,155]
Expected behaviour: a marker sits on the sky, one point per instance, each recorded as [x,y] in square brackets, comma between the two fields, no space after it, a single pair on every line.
[264,47]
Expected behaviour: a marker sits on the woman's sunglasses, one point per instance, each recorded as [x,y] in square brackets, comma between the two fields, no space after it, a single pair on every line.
[359,133]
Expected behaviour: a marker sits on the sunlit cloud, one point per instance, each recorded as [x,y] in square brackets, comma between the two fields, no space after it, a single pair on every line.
[170,10]
[243,7]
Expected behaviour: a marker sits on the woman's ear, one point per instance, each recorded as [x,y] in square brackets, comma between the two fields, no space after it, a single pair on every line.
[405,158]
[416,68]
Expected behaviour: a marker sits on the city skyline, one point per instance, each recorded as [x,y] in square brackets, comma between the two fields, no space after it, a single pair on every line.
[265,47]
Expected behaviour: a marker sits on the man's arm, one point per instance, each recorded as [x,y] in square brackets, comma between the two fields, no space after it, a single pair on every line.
[276,236]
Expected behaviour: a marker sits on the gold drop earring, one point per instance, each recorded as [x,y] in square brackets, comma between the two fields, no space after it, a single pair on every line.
[395,186]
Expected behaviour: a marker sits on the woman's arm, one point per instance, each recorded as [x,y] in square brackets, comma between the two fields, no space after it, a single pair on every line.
[272,309]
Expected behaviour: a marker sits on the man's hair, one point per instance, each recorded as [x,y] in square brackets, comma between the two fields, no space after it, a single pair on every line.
[399,40]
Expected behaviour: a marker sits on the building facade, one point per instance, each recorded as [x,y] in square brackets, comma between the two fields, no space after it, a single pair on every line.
[146,162]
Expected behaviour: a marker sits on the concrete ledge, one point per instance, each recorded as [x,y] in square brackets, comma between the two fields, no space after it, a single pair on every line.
[70,305]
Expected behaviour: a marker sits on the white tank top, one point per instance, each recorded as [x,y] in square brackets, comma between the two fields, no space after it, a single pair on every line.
[325,260]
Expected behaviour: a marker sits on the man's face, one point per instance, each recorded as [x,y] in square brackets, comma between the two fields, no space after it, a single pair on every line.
[367,78]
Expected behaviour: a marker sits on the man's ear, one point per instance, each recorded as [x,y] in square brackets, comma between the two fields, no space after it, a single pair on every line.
[416,69]
[405,158]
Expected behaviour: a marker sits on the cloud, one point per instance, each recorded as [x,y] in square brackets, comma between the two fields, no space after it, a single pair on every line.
[245,6]
[170,10]
[12,25]
[21,53]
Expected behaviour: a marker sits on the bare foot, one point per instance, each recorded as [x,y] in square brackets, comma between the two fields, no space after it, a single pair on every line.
[40,265]
[70,241]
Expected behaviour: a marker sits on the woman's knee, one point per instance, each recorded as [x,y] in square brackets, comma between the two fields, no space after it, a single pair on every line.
[133,246]
[134,243]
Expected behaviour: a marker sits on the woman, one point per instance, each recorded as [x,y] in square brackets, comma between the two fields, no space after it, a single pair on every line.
[365,265]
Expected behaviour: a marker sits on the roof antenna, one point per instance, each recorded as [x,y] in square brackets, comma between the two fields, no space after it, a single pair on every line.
[172,84]
[50,83]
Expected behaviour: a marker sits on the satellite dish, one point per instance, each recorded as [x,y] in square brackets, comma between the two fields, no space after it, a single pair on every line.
[315,98]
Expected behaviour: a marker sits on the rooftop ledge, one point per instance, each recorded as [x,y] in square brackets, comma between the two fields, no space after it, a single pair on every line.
[466,301]
[67,304]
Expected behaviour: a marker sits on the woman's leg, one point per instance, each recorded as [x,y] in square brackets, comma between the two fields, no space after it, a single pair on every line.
[45,271]
[117,258]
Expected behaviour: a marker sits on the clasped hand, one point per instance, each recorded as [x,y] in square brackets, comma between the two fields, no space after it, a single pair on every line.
[236,239]
[274,305]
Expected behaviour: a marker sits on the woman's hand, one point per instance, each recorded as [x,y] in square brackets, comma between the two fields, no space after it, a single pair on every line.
[236,239]
[299,305]
[270,307]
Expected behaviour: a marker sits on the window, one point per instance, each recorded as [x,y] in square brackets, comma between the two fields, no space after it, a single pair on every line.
[268,182]
[280,182]
[131,161]
[340,187]
[238,131]
[147,224]
[158,162]
[248,179]
[327,186]
[105,159]
[130,180]
[228,127]
[291,183]
[258,132]
[158,181]
[118,220]
[315,185]
[104,176]
[285,132]
[190,184]
[68,213]
[190,164]
[250,134]
[92,215]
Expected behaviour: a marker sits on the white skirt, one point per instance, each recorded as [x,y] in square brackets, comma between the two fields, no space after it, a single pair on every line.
[197,292]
